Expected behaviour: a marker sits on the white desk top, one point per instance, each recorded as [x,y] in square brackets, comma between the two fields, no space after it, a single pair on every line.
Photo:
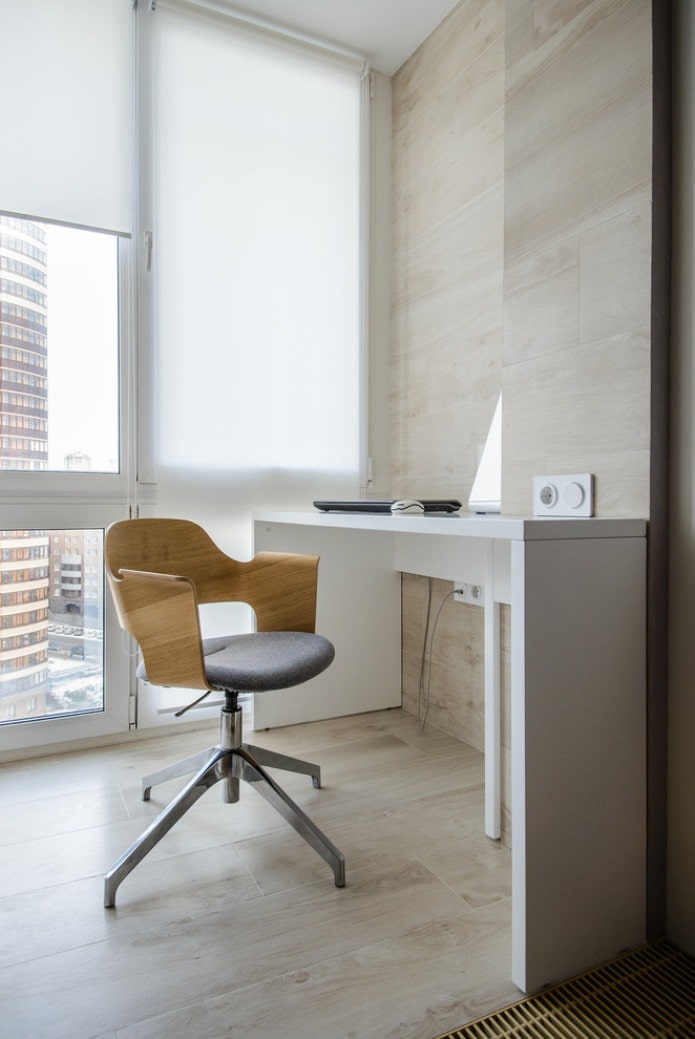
[507,528]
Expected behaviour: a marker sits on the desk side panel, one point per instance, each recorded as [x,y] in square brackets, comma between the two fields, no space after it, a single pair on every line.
[579,768]
[358,609]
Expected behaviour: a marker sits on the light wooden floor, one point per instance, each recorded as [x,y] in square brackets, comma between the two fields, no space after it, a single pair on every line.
[233,926]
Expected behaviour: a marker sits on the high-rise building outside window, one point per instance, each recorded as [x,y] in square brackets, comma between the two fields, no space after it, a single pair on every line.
[23,349]
[59,359]
[58,348]
[51,623]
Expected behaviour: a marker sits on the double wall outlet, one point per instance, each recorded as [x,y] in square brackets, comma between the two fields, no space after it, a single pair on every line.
[563,495]
[468,593]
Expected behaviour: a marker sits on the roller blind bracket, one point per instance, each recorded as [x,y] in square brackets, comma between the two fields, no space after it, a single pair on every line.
[149,241]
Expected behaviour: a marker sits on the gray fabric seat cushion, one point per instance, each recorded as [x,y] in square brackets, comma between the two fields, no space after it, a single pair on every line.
[260,661]
[265,660]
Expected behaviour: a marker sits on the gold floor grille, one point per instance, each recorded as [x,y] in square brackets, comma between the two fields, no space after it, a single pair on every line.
[647,994]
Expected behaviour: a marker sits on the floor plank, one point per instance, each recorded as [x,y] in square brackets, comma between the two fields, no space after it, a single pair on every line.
[232,926]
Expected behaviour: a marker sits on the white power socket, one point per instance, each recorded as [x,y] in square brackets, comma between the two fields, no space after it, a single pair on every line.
[563,495]
[472,594]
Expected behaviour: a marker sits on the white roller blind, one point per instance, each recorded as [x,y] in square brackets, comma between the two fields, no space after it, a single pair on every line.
[257,244]
[65,83]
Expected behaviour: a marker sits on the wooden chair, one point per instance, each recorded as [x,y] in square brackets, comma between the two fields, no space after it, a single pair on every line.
[160,571]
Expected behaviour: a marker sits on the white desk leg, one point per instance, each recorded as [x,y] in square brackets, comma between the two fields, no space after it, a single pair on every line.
[518,765]
[493,731]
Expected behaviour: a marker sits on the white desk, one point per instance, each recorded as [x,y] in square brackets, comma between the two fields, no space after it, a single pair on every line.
[578,718]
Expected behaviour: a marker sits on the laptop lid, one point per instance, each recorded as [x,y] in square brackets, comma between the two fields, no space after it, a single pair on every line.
[443,506]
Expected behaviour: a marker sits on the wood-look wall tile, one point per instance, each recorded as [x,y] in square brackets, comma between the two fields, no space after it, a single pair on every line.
[586,176]
[446,357]
[518,32]
[454,661]
[454,46]
[586,401]
[541,302]
[551,16]
[615,276]
[447,265]
[440,166]
[622,484]
[450,149]
[578,178]
[436,452]
[578,124]
[439,278]
[589,51]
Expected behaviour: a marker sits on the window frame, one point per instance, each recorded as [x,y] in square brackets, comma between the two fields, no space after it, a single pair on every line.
[63,500]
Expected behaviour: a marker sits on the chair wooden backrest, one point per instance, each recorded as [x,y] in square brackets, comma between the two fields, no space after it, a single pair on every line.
[161,570]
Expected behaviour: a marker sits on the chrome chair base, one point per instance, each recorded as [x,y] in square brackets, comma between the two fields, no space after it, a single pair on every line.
[268,758]
[229,762]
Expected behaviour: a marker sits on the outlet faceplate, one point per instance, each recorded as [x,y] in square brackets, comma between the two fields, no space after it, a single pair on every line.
[563,495]
[467,592]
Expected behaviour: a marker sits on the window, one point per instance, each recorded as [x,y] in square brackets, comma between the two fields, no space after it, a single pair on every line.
[70,374]
[257,198]
[248,304]
[65,226]
[64,673]
[59,289]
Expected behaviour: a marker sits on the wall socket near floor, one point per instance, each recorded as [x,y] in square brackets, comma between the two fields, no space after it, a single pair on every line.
[563,495]
[469,593]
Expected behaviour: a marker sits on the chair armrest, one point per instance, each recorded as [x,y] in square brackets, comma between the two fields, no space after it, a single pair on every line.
[161,612]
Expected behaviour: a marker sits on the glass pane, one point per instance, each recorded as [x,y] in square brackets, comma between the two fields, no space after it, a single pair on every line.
[51,623]
[58,348]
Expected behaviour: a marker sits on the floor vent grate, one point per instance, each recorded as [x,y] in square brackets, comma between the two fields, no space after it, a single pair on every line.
[646,994]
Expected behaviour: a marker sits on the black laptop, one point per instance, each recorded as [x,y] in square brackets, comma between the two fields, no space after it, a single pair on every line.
[434,506]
